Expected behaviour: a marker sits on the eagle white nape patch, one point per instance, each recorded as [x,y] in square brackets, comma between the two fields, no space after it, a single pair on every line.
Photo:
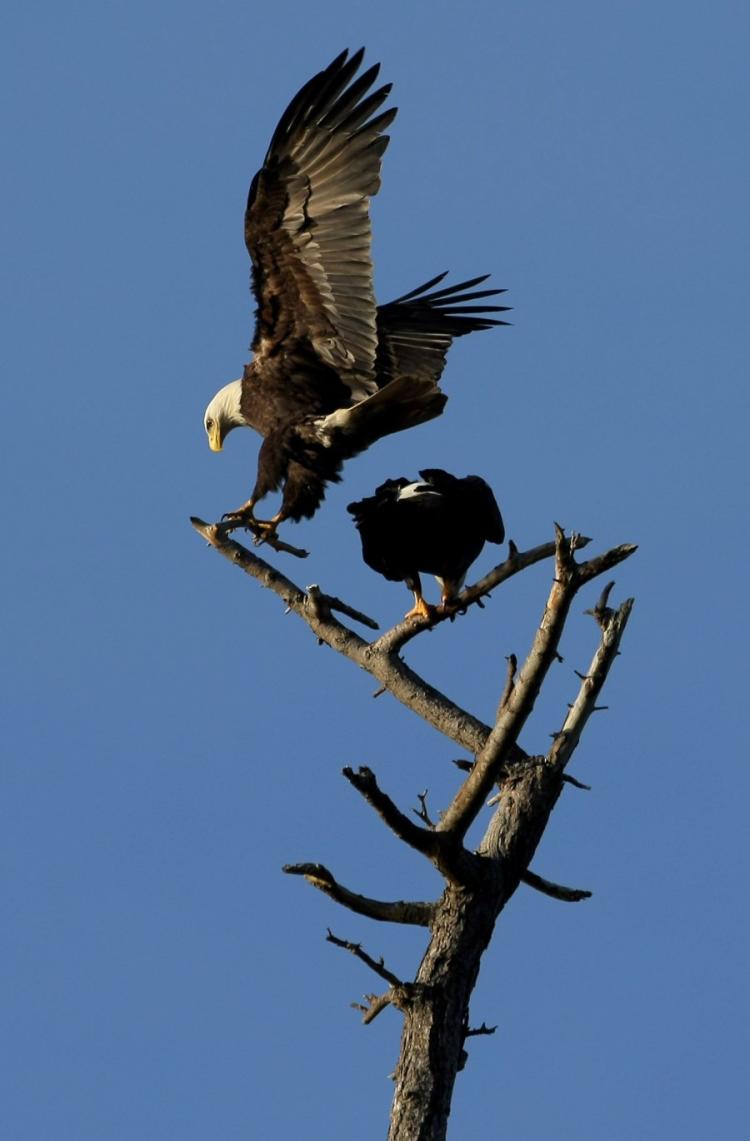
[417,491]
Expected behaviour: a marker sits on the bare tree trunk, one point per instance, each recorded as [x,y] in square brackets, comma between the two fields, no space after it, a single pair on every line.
[436,1016]
[437,1021]
[435,1005]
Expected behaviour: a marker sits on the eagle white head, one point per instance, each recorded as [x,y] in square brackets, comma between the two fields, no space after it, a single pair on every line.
[223,414]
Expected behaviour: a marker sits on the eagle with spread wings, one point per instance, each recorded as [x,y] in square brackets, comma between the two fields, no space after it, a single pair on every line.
[332,371]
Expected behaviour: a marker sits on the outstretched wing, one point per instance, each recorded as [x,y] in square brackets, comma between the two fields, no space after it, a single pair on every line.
[415,331]
[307,224]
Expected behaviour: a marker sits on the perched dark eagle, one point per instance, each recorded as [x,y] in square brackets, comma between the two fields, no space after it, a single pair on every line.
[438,526]
[332,371]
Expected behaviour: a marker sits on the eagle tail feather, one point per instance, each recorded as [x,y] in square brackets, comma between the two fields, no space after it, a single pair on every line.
[404,403]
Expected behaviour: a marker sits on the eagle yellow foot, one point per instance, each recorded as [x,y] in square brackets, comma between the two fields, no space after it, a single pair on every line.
[421,609]
[263,530]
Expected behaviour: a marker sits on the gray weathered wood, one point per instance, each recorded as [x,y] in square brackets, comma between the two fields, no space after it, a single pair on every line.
[435,1005]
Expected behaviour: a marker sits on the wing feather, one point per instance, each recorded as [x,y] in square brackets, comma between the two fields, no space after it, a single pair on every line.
[307,224]
[416,330]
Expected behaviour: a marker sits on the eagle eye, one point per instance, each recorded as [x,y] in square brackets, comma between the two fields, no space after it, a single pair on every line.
[209,425]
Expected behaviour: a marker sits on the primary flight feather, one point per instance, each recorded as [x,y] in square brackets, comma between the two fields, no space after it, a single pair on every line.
[332,372]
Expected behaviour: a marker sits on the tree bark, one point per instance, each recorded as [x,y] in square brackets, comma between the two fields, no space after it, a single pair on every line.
[436,1019]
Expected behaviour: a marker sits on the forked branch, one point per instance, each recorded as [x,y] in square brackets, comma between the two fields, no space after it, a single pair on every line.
[393,674]
[451,859]
[569,577]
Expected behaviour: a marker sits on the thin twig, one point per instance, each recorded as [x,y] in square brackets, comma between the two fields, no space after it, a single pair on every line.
[421,813]
[344,608]
[510,676]
[376,965]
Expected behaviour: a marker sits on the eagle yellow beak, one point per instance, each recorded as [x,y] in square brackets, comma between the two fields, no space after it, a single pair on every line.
[214,438]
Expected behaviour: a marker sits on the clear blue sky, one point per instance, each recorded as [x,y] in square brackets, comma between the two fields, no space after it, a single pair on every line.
[172,739]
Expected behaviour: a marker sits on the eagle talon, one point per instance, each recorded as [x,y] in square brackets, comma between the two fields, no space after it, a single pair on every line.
[242,517]
[422,609]
[450,609]
[265,533]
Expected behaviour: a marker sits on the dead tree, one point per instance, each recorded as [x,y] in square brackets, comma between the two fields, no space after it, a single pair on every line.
[523,788]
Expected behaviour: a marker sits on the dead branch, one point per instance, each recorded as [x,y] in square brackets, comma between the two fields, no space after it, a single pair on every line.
[396,638]
[469,800]
[421,813]
[464,765]
[605,562]
[399,911]
[344,608]
[451,859]
[569,577]
[393,674]
[479,1030]
[554,890]
[322,604]
[510,678]
[398,678]
[365,782]
[612,624]
[375,1003]
[576,783]
[376,965]
[601,610]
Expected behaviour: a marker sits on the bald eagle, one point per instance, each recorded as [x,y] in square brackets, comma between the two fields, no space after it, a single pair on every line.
[332,372]
[438,524]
